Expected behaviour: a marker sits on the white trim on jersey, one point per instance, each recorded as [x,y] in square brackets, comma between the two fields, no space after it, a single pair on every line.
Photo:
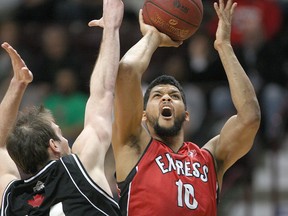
[40,172]
[79,188]
[128,198]
[4,210]
[100,190]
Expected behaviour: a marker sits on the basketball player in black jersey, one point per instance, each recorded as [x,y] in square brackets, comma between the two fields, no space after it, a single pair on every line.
[8,111]
[67,181]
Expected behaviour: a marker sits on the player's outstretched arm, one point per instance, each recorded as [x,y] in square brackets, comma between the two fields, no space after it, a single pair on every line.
[129,98]
[237,136]
[94,141]
[8,112]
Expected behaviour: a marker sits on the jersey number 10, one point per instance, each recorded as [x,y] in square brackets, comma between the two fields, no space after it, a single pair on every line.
[186,193]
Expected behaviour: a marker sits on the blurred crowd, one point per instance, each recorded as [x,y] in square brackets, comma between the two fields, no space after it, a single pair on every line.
[60,49]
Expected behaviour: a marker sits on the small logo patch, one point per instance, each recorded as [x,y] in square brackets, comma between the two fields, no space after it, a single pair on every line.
[36,201]
[39,186]
[192,153]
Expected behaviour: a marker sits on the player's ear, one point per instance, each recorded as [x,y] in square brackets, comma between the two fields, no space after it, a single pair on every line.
[144,117]
[54,146]
[187,116]
[54,149]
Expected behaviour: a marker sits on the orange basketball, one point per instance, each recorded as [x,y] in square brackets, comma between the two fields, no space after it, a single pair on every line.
[179,19]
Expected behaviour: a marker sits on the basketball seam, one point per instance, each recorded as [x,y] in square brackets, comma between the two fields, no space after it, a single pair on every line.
[173,14]
[201,11]
[145,8]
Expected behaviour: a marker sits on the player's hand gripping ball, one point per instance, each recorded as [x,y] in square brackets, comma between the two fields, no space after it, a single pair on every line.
[179,19]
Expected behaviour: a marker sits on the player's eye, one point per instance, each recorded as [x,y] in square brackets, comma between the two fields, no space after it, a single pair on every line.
[157,95]
[175,96]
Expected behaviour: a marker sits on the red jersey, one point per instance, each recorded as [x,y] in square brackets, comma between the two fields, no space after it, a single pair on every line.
[168,183]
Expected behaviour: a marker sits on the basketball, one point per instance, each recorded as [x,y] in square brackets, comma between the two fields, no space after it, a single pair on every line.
[179,19]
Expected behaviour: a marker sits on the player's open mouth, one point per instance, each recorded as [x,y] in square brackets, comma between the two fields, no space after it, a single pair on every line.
[166,112]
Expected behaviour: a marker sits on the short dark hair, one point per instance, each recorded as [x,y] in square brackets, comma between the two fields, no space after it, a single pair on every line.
[164,80]
[28,142]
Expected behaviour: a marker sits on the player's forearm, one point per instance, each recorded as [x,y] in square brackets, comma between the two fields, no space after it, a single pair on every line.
[139,56]
[242,91]
[105,71]
[9,108]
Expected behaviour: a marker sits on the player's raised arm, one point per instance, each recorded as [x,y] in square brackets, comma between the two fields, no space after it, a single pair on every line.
[8,112]
[128,96]
[92,144]
[237,136]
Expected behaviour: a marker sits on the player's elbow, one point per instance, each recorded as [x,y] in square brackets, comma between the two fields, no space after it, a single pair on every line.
[129,65]
[104,133]
[252,116]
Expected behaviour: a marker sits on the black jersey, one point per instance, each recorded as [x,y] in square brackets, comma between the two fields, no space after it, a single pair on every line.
[62,187]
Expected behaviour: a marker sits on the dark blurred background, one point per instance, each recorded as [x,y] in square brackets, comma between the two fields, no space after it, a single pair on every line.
[60,49]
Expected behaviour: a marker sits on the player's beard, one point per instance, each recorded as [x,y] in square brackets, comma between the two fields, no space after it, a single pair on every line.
[171,131]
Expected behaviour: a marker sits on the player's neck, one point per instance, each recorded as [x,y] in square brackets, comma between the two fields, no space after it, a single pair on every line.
[173,142]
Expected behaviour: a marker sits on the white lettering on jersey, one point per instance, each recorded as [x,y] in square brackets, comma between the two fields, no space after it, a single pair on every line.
[168,164]
[161,164]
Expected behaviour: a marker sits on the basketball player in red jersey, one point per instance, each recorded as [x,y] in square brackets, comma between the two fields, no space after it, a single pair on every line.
[158,173]
[63,181]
